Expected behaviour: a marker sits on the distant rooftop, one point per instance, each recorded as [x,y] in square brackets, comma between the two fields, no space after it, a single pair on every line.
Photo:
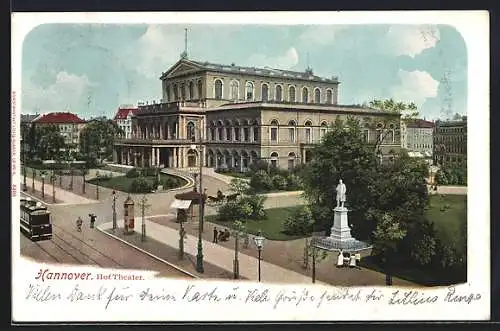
[28,118]
[266,71]
[419,123]
[122,113]
[59,118]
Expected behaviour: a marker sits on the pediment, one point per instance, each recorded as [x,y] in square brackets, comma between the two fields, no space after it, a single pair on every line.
[181,68]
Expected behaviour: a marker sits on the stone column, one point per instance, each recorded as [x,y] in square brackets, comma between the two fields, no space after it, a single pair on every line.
[176,130]
[241,162]
[176,157]
[136,161]
[152,160]
[158,156]
[161,130]
[142,156]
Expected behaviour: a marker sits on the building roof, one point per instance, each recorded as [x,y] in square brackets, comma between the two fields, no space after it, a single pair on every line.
[266,71]
[418,123]
[59,118]
[122,113]
[28,118]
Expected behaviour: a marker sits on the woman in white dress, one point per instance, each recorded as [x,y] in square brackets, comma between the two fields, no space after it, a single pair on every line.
[340,259]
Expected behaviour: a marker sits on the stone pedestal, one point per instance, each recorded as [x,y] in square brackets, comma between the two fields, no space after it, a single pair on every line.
[341,232]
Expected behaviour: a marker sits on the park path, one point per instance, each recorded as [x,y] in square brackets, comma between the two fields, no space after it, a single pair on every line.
[222,257]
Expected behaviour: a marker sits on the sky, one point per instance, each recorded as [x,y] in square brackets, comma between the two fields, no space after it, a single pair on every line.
[92,69]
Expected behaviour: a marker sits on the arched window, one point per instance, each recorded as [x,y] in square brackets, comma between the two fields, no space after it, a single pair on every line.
[265,92]
[291,94]
[329,96]
[200,89]
[274,131]
[391,134]
[317,96]
[190,131]
[183,92]
[274,159]
[191,91]
[323,129]
[237,130]
[229,130]
[291,160]
[218,89]
[235,90]
[305,95]
[220,131]
[176,92]
[249,91]
[291,130]
[278,93]
[308,130]
[255,125]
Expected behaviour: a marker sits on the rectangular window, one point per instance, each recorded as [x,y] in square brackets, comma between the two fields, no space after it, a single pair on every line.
[246,134]
[366,135]
[255,134]
[228,134]
[308,136]
[237,134]
[274,134]
[291,134]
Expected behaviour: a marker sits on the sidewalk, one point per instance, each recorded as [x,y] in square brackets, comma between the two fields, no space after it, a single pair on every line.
[222,257]
[62,196]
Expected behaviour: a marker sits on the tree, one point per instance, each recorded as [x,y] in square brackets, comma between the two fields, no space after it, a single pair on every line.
[407,111]
[97,138]
[300,222]
[344,155]
[49,142]
[387,236]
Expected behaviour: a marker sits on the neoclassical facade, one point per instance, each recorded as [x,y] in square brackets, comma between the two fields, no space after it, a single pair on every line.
[241,115]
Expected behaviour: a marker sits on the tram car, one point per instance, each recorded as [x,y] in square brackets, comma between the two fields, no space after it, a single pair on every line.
[35,220]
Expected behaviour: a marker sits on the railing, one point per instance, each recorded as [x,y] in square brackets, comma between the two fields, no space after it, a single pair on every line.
[152,141]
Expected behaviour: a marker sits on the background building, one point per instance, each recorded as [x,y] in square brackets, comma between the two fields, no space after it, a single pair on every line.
[420,138]
[450,142]
[70,126]
[123,119]
[242,115]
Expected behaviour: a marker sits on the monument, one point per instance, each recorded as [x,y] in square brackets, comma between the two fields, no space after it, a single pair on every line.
[340,235]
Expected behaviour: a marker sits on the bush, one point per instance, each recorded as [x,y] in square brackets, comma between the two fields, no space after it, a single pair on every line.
[261,181]
[256,203]
[133,173]
[140,185]
[279,182]
[148,172]
[293,182]
[258,166]
[169,182]
[300,222]
[233,211]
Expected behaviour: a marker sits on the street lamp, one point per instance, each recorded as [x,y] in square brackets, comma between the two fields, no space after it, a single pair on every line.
[33,180]
[259,242]
[114,210]
[43,184]
[144,205]
[71,173]
[97,185]
[53,178]
[199,256]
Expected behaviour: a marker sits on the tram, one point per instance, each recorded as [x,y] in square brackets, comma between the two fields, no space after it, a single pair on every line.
[35,220]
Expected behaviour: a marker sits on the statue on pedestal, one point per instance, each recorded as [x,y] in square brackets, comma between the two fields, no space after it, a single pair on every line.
[341,192]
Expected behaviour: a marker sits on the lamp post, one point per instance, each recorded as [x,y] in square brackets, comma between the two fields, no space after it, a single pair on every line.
[144,205]
[71,173]
[33,180]
[199,256]
[43,184]
[114,210]
[97,185]
[53,178]
[259,242]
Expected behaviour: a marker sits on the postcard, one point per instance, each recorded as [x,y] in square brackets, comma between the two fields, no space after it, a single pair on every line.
[250,166]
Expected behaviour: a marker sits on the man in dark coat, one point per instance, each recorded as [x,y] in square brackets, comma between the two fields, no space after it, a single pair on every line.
[215,235]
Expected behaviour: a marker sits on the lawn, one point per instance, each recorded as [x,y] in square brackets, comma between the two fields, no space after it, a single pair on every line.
[449,214]
[123,183]
[271,227]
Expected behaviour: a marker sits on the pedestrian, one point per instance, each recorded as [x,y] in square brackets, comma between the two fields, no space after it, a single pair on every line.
[216,233]
[92,220]
[79,223]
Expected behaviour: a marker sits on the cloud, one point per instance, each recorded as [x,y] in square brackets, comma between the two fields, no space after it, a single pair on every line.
[321,35]
[66,93]
[416,86]
[411,40]
[158,48]
[284,61]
